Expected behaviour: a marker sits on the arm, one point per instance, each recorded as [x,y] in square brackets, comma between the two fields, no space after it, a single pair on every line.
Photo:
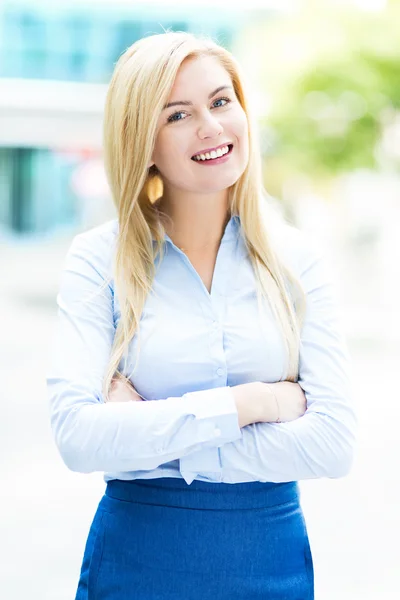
[95,436]
[320,443]
[249,399]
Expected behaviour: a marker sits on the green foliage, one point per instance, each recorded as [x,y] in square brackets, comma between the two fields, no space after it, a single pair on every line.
[327,116]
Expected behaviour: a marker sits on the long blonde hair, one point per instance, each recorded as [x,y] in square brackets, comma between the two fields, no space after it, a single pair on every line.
[139,88]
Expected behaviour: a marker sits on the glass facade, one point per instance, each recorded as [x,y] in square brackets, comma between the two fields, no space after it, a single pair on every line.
[79,43]
[82,43]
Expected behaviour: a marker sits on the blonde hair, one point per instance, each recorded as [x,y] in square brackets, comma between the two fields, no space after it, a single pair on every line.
[139,89]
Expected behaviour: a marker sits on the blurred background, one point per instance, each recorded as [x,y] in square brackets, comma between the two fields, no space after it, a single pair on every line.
[325,82]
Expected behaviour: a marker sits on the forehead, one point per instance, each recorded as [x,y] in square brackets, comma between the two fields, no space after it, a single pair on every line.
[199,76]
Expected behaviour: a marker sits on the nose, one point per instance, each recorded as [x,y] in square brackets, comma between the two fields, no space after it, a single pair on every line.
[209,126]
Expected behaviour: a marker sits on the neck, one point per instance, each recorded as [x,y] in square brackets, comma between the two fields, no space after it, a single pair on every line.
[195,223]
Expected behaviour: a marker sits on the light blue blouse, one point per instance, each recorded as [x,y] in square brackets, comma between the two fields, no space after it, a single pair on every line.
[194,346]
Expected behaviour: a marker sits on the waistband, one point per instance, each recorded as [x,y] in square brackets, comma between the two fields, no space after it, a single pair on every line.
[173,491]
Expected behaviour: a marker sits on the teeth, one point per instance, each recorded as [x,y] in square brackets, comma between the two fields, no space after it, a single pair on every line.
[213,154]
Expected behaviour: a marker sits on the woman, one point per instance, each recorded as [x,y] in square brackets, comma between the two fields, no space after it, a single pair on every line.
[218,321]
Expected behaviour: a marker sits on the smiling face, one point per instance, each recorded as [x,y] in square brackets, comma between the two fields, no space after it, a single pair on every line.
[202,114]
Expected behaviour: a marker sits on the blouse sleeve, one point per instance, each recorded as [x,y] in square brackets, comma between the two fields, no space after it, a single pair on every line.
[92,435]
[321,443]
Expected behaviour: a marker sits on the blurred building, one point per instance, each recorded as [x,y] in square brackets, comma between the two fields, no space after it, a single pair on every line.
[55,62]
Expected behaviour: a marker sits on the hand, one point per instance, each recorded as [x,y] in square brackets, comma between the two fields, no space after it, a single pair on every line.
[122,391]
[250,400]
[290,399]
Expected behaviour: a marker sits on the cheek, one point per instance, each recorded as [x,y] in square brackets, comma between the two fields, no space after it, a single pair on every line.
[167,151]
[242,128]
[237,127]
[241,134]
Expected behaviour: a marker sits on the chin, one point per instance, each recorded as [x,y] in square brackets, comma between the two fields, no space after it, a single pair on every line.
[225,181]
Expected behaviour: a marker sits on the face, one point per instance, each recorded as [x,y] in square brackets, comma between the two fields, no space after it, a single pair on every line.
[203,115]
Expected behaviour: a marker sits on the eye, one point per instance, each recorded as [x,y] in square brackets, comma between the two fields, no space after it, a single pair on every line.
[175,117]
[172,118]
[223,99]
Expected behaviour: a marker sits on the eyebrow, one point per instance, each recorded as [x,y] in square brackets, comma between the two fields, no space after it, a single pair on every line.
[188,103]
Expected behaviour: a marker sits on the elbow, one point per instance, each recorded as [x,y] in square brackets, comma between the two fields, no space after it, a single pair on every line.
[74,460]
[340,441]
[72,442]
[333,463]
[342,460]
[74,457]
[340,468]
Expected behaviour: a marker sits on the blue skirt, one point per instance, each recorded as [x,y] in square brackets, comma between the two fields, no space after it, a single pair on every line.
[160,539]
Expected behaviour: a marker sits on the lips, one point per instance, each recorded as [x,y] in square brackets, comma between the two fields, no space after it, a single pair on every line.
[208,150]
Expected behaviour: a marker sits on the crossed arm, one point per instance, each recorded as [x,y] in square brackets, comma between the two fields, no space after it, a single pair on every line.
[125,436]
[320,441]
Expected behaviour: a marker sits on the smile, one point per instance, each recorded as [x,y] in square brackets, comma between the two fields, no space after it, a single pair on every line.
[213,155]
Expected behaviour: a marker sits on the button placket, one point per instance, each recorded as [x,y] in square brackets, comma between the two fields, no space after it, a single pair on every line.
[217,336]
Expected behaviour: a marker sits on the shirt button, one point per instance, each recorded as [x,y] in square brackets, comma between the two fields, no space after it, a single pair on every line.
[220,371]
[217,432]
[215,324]
[159,450]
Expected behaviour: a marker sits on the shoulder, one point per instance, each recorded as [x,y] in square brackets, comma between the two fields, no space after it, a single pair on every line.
[101,234]
[298,249]
[95,247]
[304,257]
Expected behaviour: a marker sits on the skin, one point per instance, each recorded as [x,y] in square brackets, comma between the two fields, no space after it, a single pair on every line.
[194,206]
[195,196]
